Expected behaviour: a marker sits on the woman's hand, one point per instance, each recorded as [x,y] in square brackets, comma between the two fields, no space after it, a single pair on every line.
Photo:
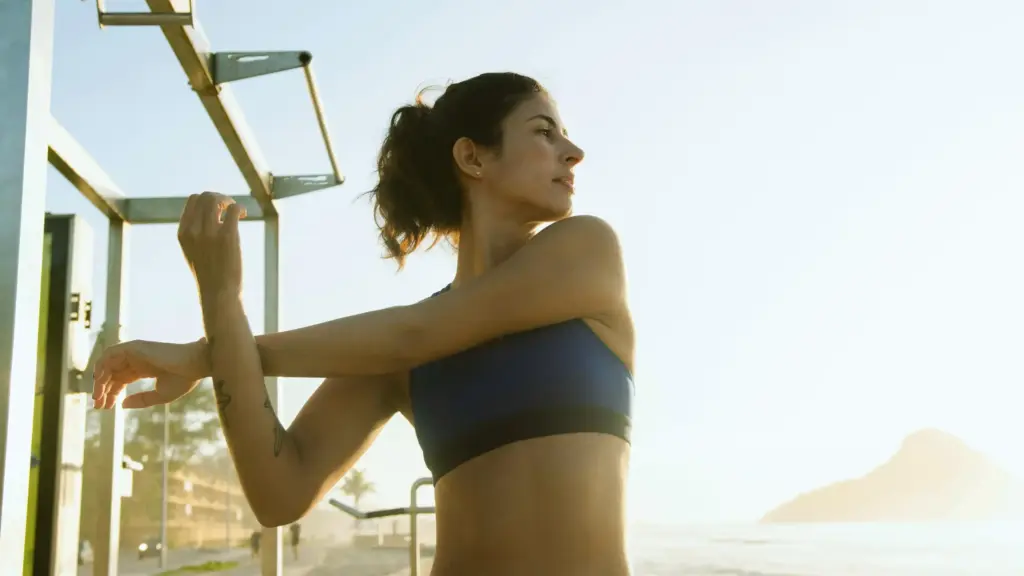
[208,235]
[177,368]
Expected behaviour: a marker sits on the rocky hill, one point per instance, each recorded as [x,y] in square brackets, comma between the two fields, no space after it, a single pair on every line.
[933,477]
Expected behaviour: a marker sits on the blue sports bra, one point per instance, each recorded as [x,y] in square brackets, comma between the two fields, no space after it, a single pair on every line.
[558,379]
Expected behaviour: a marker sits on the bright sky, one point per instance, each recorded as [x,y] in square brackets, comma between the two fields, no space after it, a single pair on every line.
[820,203]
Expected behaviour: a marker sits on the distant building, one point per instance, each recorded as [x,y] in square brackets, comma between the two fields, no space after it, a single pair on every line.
[207,508]
[204,510]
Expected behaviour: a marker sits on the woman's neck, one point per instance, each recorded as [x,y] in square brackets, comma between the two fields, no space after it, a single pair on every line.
[486,241]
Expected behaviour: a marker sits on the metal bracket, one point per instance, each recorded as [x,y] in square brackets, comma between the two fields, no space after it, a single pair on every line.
[285,186]
[81,310]
[144,18]
[231,66]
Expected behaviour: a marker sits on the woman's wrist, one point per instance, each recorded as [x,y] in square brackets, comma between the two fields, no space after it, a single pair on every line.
[199,358]
[215,303]
[215,297]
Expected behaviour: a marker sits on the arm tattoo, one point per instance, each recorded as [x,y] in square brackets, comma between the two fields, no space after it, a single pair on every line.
[278,429]
[223,399]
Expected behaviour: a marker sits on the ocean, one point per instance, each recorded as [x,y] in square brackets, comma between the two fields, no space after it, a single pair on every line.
[991,549]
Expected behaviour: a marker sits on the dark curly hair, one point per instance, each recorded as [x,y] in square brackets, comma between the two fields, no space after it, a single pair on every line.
[418,194]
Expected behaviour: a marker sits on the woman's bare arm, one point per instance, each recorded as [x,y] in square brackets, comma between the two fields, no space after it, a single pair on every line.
[572,269]
[332,431]
[283,472]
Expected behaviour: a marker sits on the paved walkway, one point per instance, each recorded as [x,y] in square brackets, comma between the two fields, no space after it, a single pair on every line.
[425,565]
[310,556]
[365,562]
[129,563]
[314,560]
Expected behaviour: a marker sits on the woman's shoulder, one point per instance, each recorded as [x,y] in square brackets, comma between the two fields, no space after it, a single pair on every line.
[595,238]
[584,243]
[584,226]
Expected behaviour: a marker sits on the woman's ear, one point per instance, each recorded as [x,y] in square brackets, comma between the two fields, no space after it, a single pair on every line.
[467,158]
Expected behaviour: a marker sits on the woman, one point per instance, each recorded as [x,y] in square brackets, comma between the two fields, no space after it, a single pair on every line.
[516,376]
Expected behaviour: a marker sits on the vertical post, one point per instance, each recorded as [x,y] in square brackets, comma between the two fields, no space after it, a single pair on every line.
[76,402]
[26,60]
[414,532]
[270,547]
[61,429]
[165,456]
[227,505]
[108,518]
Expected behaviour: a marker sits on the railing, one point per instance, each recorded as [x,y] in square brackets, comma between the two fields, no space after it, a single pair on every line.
[413,510]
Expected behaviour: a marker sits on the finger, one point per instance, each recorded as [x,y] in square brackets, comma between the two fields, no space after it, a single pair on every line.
[116,371]
[144,400]
[99,378]
[232,215]
[116,386]
[211,212]
[187,217]
[106,402]
[204,205]
[118,381]
[212,209]
[97,391]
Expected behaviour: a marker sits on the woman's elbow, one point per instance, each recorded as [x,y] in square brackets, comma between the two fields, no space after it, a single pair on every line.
[274,522]
[277,516]
[281,509]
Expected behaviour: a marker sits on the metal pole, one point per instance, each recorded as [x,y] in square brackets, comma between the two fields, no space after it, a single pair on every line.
[414,533]
[163,485]
[321,121]
[108,517]
[108,533]
[270,547]
[227,505]
[26,60]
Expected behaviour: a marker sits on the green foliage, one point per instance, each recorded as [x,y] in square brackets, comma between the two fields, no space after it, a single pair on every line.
[356,485]
[211,566]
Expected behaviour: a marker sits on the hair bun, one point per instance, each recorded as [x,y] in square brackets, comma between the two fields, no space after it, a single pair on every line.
[418,193]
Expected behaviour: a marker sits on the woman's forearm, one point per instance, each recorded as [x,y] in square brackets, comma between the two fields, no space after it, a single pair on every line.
[265,457]
[369,344]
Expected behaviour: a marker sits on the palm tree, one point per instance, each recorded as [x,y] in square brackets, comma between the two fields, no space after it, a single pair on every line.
[356,485]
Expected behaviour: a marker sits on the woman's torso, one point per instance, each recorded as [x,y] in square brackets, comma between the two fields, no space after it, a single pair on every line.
[553,502]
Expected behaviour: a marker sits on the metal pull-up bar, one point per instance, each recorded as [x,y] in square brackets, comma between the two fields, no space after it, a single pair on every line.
[209,74]
[28,134]
[143,18]
[233,66]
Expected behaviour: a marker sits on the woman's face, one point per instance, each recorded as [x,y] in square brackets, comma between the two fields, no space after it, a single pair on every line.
[533,172]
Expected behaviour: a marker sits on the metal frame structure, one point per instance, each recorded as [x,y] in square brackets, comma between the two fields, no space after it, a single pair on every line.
[59,454]
[413,510]
[26,131]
